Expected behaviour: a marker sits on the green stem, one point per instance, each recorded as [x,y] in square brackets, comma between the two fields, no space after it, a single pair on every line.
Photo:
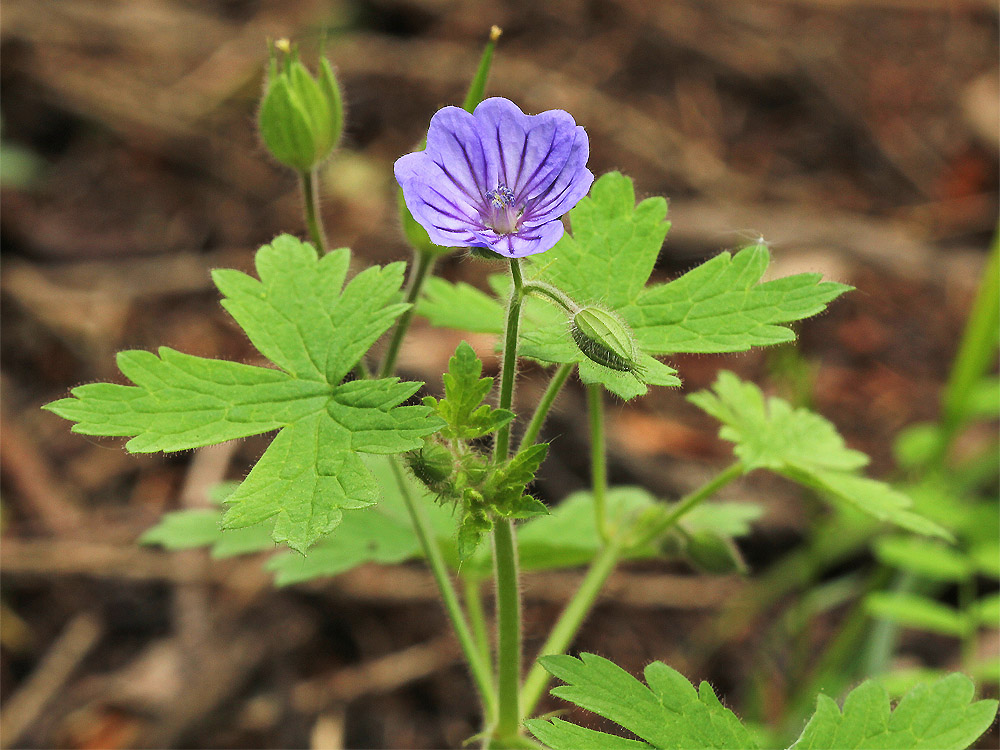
[689,501]
[481,673]
[502,445]
[508,629]
[508,600]
[474,606]
[310,199]
[542,410]
[422,265]
[598,460]
[541,289]
[569,622]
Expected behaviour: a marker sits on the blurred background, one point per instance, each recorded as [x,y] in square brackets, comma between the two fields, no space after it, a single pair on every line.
[857,137]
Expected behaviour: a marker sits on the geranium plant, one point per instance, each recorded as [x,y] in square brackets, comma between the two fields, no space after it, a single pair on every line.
[359,471]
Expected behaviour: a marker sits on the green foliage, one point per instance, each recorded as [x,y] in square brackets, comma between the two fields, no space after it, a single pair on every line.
[302,317]
[671,714]
[916,611]
[721,306]
[567,537]
[382,533]
[503,493]
[462,409]
[801,445]
[923,557]
[935,716]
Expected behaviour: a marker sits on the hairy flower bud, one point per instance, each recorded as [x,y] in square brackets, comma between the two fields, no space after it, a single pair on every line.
[432,464]
[605,339]
[301,117]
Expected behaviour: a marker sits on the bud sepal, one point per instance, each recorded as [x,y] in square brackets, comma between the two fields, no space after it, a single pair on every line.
[301,117]
[605,339]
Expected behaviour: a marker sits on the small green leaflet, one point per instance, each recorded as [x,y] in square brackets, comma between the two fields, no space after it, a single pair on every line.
[465,415]
[670,714]
[916,611]
[801,445]
[923,557]
[302,317]
[720,306]
[504,493]
[931,716]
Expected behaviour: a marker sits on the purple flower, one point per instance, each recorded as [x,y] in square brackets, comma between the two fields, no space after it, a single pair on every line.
[497,178]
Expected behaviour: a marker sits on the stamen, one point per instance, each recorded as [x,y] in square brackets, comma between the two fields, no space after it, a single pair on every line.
[503,215]
[502,197]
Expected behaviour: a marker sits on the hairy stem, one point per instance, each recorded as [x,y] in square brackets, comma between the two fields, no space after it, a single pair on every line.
[423,262]
[502,445]
[569,622]
[549,292]
[508,601]
[508,629]
[542,410]
[479,666]
[474,606]
[598,460]
[688,502]
[310,199]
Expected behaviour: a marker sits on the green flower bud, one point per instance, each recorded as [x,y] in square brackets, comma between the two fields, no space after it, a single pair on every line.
[713,553]
[433,464]
[605,339]
[301,117]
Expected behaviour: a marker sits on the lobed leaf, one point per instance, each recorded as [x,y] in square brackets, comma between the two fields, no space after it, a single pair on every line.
[931,716]
[668,714]
[806,448]
[302,317]
[465,415]
[720,306]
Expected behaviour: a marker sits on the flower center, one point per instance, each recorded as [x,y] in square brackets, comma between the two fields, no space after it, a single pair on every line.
[502,215]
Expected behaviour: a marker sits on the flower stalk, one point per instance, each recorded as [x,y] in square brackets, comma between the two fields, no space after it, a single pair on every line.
[508,601]
[310,201]
[423,264]
[530,436]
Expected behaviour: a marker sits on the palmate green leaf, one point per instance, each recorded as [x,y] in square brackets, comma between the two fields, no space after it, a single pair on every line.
[302,317]
[806,448]
[720,306]
[668,714]
[462,409]
[931,716]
